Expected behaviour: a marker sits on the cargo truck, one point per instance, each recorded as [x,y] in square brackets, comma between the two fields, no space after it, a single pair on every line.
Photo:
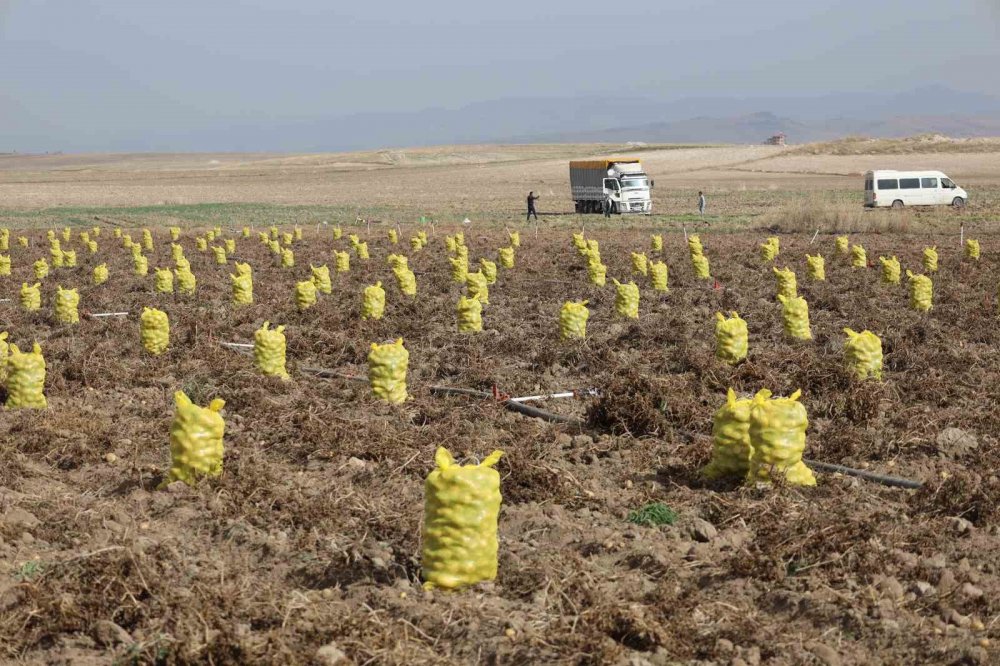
[620,181]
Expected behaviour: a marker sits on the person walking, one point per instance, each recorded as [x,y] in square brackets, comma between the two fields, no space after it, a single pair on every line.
[607,205]
[701,203]
[532,198]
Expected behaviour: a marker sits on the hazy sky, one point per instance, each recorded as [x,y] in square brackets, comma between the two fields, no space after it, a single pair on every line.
[86,73]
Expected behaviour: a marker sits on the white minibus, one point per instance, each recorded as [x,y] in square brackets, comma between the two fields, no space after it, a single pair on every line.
[884,189]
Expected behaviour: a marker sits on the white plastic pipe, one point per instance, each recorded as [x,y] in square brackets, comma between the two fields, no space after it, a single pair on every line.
[238,345]
[562,394]
[109,314]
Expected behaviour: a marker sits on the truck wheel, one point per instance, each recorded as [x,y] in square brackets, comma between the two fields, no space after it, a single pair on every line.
[897,204]
[958,202]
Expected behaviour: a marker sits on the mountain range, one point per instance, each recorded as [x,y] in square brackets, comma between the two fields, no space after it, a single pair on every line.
[592,118]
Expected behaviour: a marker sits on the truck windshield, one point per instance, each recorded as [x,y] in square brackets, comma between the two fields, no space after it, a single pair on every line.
[634,183]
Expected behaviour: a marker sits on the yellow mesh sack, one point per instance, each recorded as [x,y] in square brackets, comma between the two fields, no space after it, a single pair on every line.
[786,283]
[100,274]
[305,294]
[69,258]
[56,254]
[4,264]
[287,258]
[362,249]
[597,272]
[489,269]
[769,250]
[354,239]
[373,301]
[147,240]
[459,269]
[220,254]
[694,245]
[269,350]
[201,244]
[415,244]
[475,286]
[972,249]
[921,292]
[50,234]
[731,450]
[175,233]
[397,261]
[187,283]
[67,301]
[246,232]
[450,244]
[859,259]
[338,233]
[731,339]
[506,257]
[196,447]
[96,231]
[639,264]
[627,299]
[154,331]
[930,259]
[117,232]
[183,264]
[470,314]
[778,439]
[817,267]
[700,264]
[656,243]
[460,239]
[67,233]
[343,261]
[393,236]
[321,278]
[176,251]
[275,248]
[297,233]
[515,238]
[242,288]
[136,250]
[795,315]
[140,265]
[23,241]
[287,238]
[31,296]
[573,320]
[406,280]
[593,249]
[461,512]
[164,281]
[4,240]
[25,380]
[843,245]
[41,268]
[422,235]
[658,275]
[84,237]
[890,270]
[387,365]
[126,241]
[863,353]
[243,269]
[230,246]
[274,233]
[91,246]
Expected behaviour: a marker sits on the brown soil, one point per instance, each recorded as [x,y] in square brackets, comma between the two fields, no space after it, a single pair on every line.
[312,534]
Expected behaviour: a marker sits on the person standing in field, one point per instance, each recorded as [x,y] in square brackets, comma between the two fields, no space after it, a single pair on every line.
[532,198]
[701,203]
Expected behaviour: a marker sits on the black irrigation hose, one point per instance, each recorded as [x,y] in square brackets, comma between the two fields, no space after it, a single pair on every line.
[512,406]
[893,481]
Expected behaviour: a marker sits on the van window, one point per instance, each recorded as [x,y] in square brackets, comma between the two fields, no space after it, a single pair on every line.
[888,184]
[946,182]
[909,183]
[868,185]
[928,182]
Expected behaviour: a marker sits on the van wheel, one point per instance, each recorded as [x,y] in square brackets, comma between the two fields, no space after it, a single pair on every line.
[897,204]
[958,202]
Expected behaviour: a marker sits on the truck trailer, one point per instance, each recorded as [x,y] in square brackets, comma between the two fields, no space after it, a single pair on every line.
[620,181]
